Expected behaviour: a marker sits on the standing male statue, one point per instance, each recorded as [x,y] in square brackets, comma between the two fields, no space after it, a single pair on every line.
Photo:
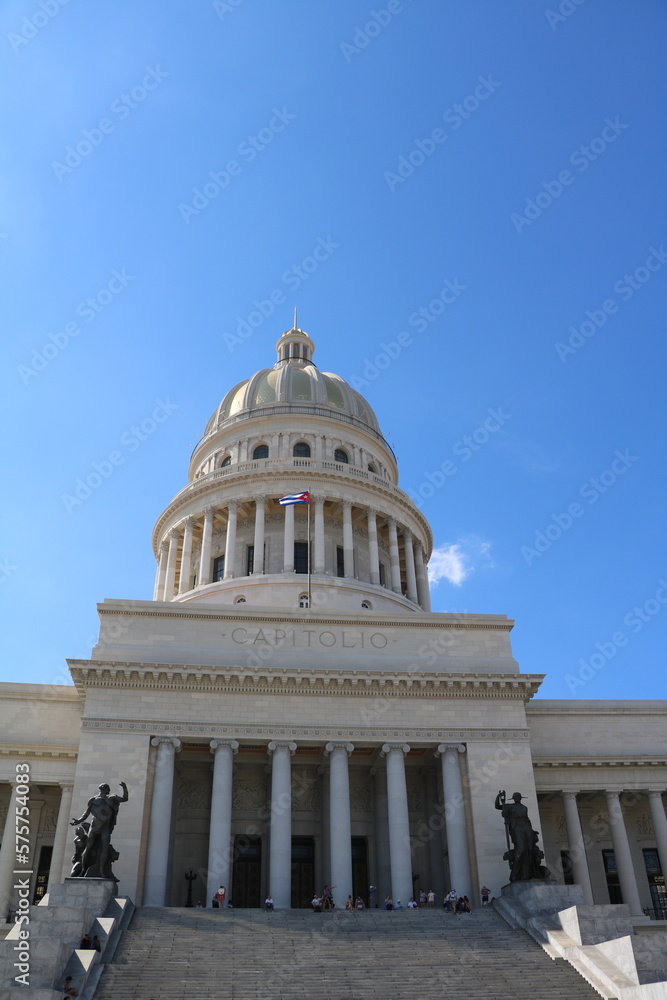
[97,856]
[524,856]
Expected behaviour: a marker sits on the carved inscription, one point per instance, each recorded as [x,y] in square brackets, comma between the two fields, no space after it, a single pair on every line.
[305,638]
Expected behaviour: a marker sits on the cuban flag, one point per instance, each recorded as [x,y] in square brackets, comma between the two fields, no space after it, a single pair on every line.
[295,498]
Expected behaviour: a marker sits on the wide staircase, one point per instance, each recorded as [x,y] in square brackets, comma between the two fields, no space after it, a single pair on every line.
[176,954]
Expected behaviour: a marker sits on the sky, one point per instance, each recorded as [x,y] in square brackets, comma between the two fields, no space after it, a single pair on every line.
[466,202]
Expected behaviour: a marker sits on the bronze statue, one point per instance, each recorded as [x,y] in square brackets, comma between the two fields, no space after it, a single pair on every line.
[93,851]
[524,856]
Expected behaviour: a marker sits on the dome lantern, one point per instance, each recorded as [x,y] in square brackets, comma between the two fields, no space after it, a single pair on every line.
[295,346]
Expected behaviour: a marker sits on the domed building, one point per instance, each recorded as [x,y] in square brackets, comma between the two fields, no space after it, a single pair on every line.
[288,712]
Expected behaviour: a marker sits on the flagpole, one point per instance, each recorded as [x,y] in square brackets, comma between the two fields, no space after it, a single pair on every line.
[309,587]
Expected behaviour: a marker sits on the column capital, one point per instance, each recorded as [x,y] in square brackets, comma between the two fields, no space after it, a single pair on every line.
[174,532]
[372,512]
[67,786]
[347,505]
[388,747]
[407,534]
[391,521]
[444,747]
[279,744]
[318,497]
[233,745]
[330,747]
[417,544]
[232,506]
[569,794]
[173,740]
[260,498]
[209,512]
[655,793]
[164,545]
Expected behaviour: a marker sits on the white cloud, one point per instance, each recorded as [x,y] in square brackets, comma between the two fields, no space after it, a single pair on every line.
[452,561]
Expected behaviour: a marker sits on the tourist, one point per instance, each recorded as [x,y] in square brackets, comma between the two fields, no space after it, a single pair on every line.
[431,899]
[349,905]
[485,895]
[412,904]
[422,899]
[399,905]
[68,989]
[372,895]
[388,903]
[218,901]
[268,904]
[359,903]
[450,900]
[95,944]
[316,903]
[85,942]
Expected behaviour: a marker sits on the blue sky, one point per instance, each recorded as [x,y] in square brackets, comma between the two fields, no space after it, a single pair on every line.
[485,184]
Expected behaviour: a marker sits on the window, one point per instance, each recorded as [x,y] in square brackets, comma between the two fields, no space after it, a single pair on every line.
[240,599]
[371,468]
[303,601]
[301,557]
[382,575]
[367,606]
[261,451]
[566,865]
[250,561]
[340,456]
[218,568]
[613,881]
[340,561]
[656,882]
[227,460]
[301,450]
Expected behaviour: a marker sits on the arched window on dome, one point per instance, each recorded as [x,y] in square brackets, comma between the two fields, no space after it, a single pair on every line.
[367,606]
[261,451]
[303,601]
[240,599]
[227,460]
[301,450]
[371,468]
[341,456]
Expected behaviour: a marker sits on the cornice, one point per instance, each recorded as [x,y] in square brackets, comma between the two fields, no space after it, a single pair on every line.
[26,751]
[316,734]
[305,681]
[600,761]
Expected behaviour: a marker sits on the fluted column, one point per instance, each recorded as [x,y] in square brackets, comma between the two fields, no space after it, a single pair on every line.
[455,818]
[61,836]
[373,553]
[280,854]
[622,854]
[170,578]
[399,821]
[381,817]
[410,574]
[159,831]
[220,835]
[205,559]
[230,541]
[318,554]
[161,575]
[288,549]
[423,591]
[577,847]
[7,853]
[348,544]
[186,556]
[659,825]
[394,561]
[258,558]
[339,818]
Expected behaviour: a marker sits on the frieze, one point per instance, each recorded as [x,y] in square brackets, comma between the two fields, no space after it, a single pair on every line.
[215,730]
[248,794]
[360,798]
[192,795]
[644,825]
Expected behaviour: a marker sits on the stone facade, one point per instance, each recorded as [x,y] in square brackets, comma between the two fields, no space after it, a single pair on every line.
[280,729]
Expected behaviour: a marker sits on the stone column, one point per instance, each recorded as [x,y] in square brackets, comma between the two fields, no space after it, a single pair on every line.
[288,549]
[186,556]
[220,835]
[435,822]
[575,839]
[159,831]
[455,818]
[280,853]
[619,837]
[230,541]
[258,558]
[399,822]
[659,826]
[325,875]
[348,544]
[158,593]
[393,559]
[373,554]
[410,567]
[61,836]
[339,818]
[382,858]
[7,856]
[423,591]
[170,578]
[318,554]
[205,558]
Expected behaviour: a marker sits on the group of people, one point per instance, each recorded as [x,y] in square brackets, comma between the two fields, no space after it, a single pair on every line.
[88,943]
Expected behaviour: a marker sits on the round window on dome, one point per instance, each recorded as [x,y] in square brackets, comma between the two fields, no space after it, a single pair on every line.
[341,456]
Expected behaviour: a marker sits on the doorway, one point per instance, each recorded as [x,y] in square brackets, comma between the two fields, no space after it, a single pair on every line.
[247,873]
[303,872]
